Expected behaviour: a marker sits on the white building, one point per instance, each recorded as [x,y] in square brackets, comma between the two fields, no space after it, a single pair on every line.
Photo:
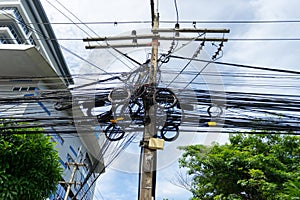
[34,81]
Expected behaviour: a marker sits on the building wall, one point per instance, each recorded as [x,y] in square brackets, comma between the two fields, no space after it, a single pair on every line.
[28,23]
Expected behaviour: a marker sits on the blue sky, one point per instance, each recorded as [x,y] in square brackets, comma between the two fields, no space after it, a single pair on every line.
[120,183]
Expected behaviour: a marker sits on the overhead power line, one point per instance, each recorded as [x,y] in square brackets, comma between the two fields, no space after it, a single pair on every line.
[239,65]
[285,106]
[267,39]
[174,21]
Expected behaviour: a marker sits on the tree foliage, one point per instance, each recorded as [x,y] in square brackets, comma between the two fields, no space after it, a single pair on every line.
[293,190]
[29,166]
[255,166]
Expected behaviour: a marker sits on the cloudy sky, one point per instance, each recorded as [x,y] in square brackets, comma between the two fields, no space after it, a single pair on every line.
[277,20]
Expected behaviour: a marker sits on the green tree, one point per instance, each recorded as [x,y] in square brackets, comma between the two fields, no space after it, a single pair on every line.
[29,166]
[293,189]
[251,166]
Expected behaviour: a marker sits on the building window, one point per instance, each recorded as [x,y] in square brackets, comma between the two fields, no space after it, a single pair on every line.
[58,138]
[15,33]
[31,88]
[16,89]
[73,151]
[22,89]
[31,40]
[18,17]
[5,40]
[62,163]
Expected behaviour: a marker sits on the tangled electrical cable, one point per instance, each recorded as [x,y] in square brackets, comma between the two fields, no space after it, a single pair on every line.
[280,105]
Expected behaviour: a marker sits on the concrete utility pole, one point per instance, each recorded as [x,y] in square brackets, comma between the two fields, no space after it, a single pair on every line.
[149,158]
